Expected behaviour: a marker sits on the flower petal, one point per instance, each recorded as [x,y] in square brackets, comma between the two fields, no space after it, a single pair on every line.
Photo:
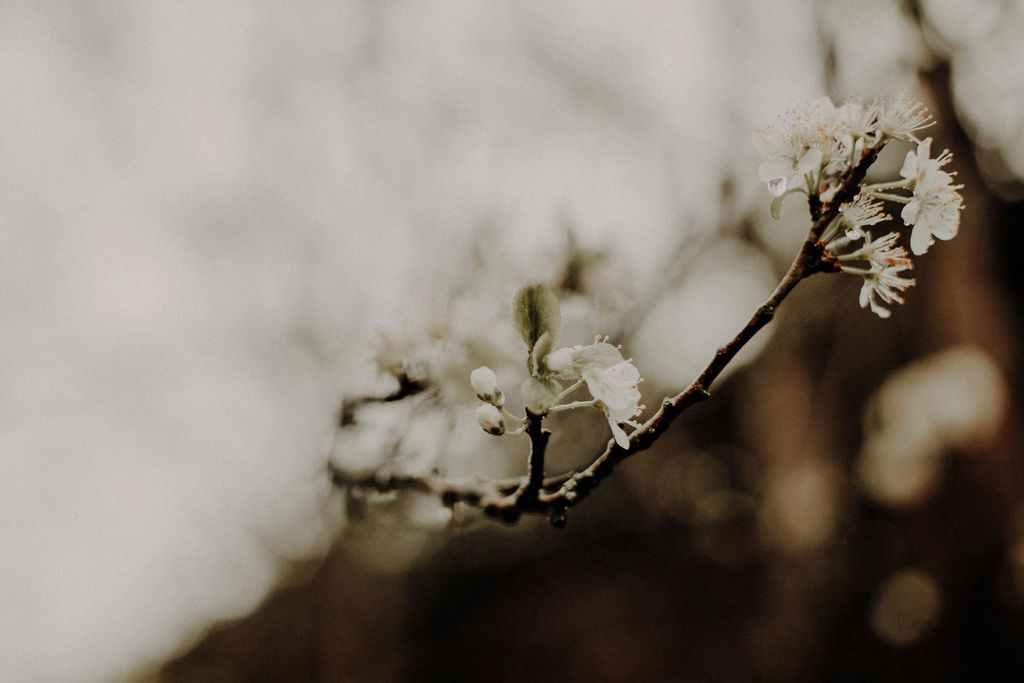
[920,239]
[620,434]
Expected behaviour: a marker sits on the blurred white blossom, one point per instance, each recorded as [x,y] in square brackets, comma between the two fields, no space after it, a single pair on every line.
[905,607]
[952,400]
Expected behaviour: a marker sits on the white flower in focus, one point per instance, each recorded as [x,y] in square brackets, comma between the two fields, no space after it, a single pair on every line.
[490,419]
[881,278]
[785,172]
[882,252]
[793,145]
[918,166]
[614,385]
[884,282]
[859,213]
[934,210]
[810,146]
[856,120]
[902,119]
[485,384]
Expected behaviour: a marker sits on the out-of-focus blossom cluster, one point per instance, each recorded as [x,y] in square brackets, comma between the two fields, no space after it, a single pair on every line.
[905,607]
[982,40]
[955,399]
[810,150]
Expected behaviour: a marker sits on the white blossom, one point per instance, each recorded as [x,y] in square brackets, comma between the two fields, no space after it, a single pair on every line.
[810,146]
[794,145]
[902,119]
[884,282]
[885,261]
[883,252]
[934,210]
[861,212]
[856,120]
[614,385]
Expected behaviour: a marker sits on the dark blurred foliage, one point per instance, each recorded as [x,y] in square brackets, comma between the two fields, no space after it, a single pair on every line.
[672,570]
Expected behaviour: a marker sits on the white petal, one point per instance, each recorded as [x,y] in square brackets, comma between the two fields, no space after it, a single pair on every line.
[946,230]
[911,212]
[810,161]
[620,435]
[920,239]
[879,310]
[909,169]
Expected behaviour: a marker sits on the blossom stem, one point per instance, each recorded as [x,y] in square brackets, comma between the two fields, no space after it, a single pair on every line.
[514,418]
[895,184]
[565,392]
[574,404]
[831,231]
[889,197]
[837,243]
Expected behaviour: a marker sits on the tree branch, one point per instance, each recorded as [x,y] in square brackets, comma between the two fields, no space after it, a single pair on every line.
[535,463]
[508,499]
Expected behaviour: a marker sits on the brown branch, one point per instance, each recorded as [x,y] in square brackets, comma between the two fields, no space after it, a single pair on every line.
[535,463]
[508,499]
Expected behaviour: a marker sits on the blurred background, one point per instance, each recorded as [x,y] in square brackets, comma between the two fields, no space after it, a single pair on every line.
[224,221]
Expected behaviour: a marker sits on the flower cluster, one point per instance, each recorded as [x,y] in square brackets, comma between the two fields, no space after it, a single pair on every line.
[813,145]
[811,148]
[611,380]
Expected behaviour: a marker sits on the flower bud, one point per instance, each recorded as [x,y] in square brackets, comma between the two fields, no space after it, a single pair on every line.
[485,384]
[540,394]
[490,419]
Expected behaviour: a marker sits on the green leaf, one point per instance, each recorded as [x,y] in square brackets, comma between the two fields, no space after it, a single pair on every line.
[536,312]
